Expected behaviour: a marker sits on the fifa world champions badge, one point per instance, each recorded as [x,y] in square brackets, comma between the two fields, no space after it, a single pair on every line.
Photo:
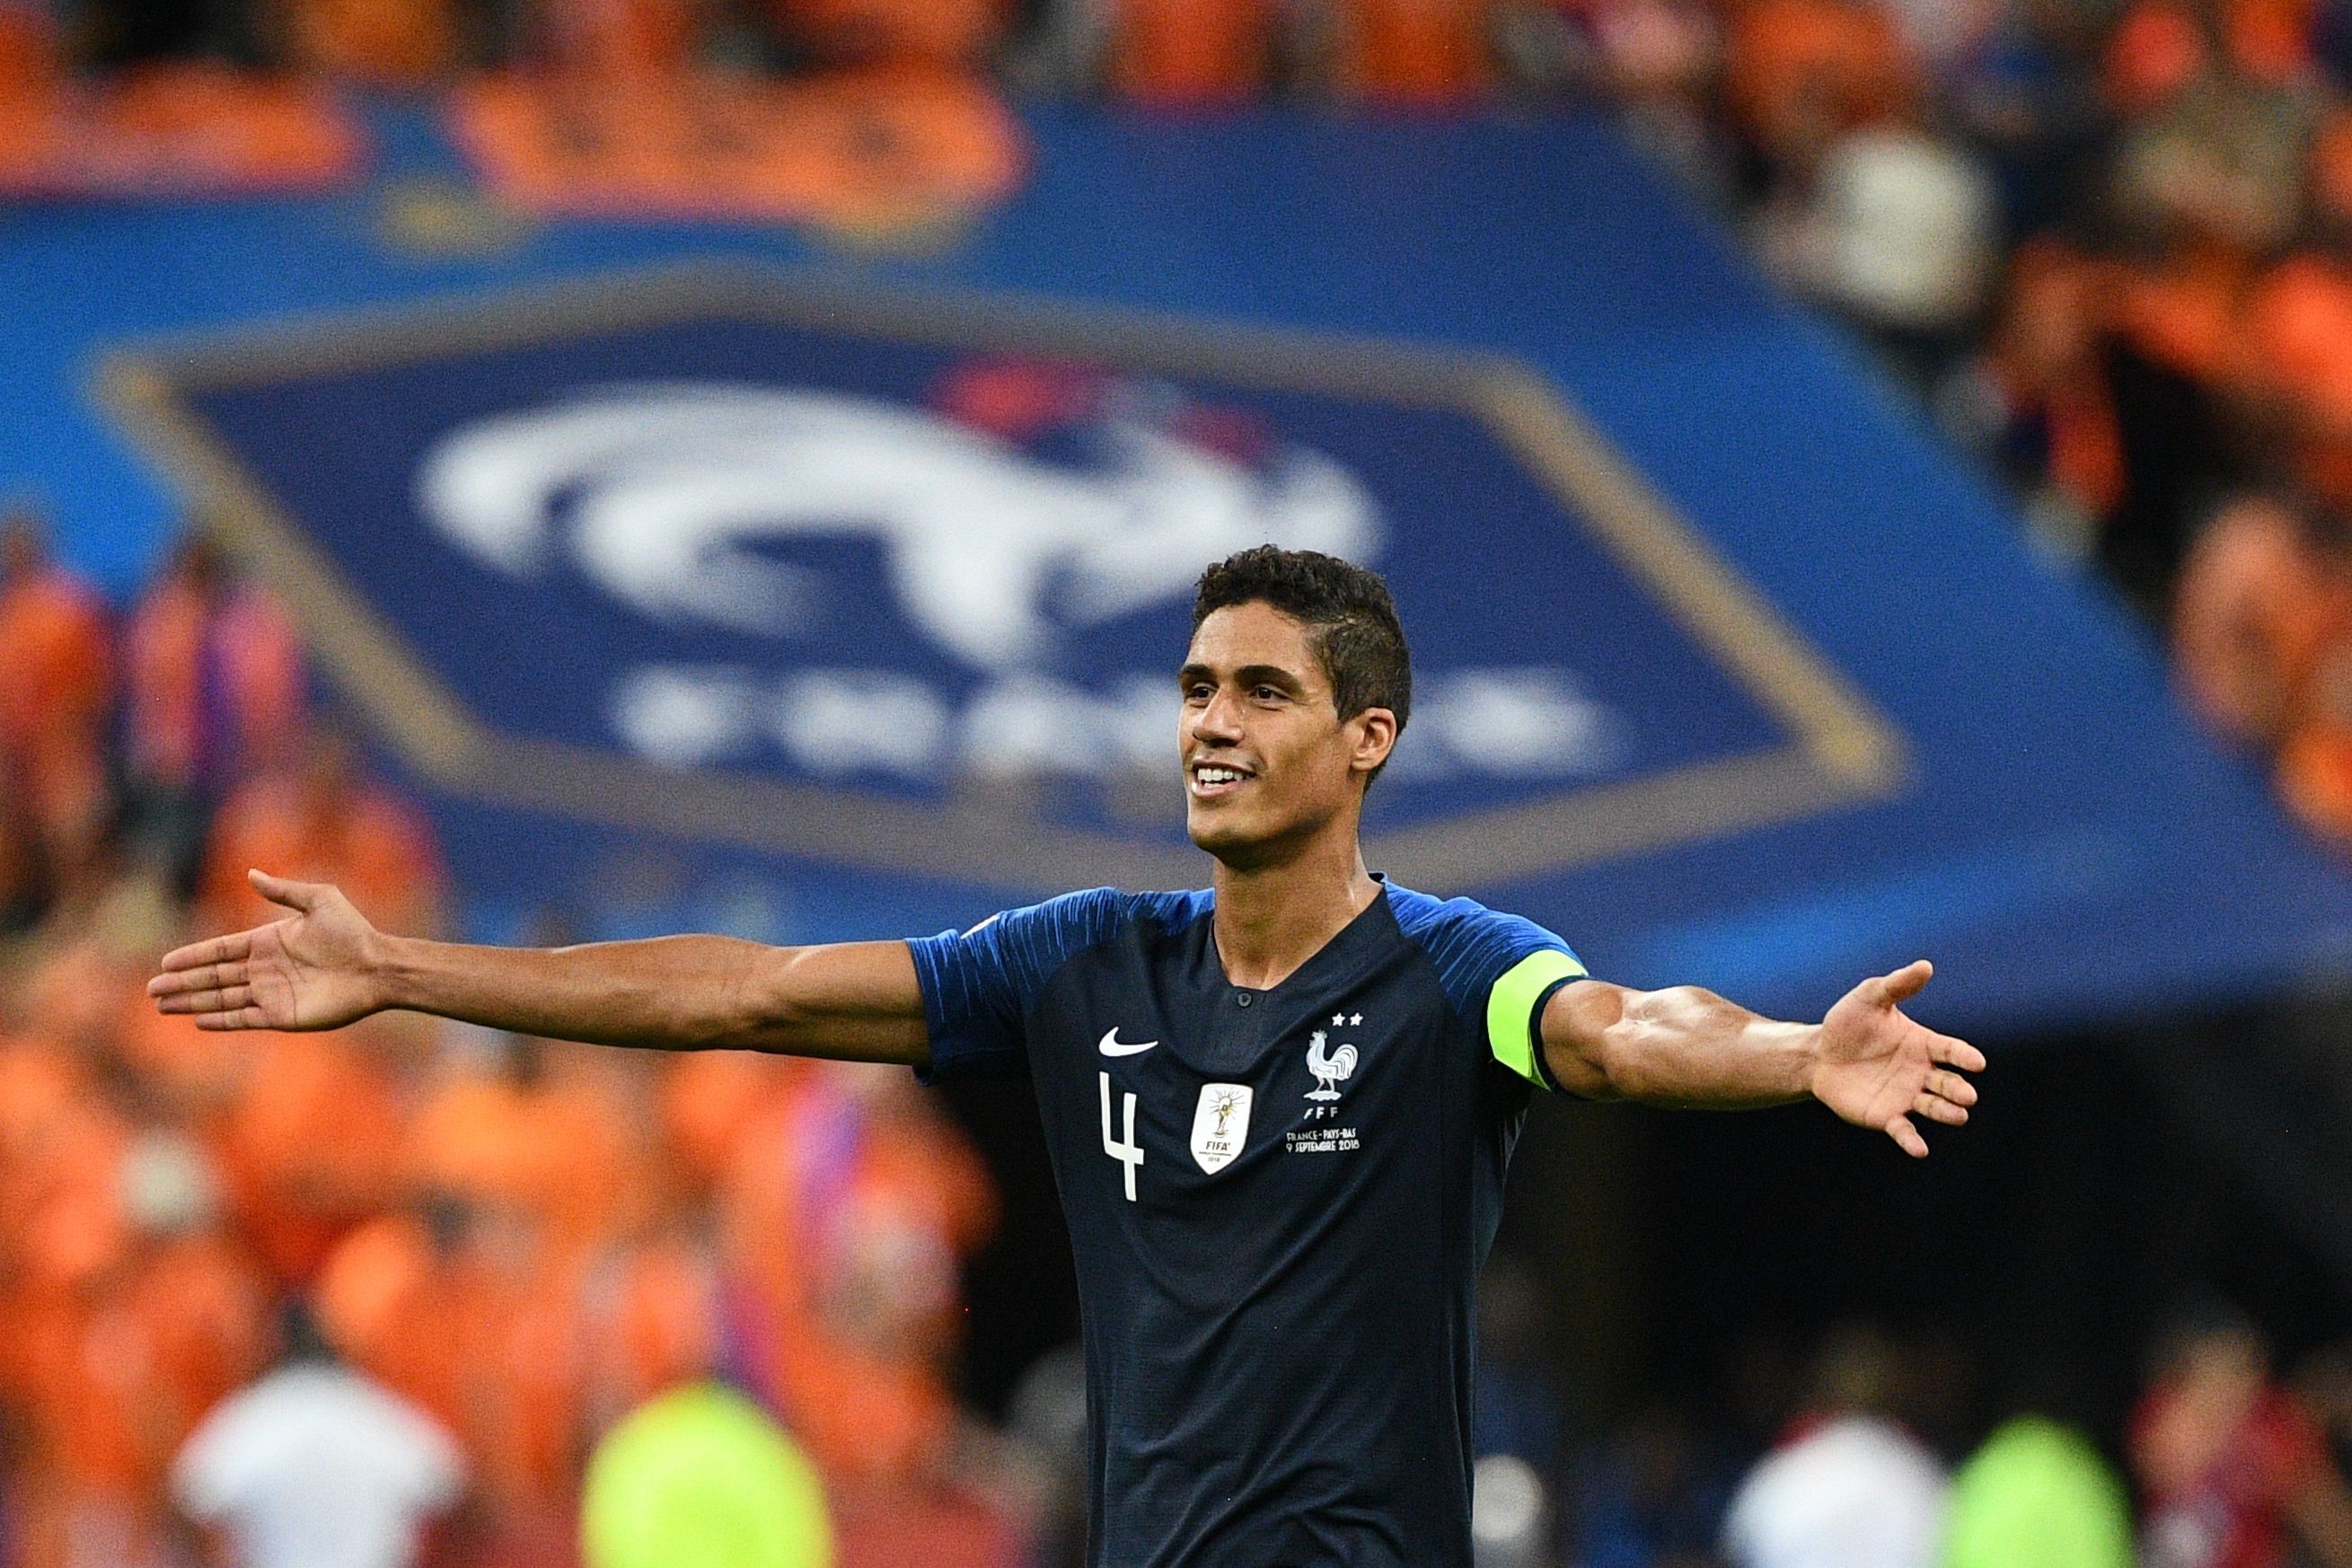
[1220,1124]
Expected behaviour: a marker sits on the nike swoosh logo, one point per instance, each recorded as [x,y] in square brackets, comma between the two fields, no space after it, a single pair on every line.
[1111,1045]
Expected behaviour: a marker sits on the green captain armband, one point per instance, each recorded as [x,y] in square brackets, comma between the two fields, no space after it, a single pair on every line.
[1511,1031]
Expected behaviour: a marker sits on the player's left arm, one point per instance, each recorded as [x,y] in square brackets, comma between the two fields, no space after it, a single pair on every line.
[1685,1045]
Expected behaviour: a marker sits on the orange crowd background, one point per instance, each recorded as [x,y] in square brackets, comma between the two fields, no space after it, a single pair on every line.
[526,1238]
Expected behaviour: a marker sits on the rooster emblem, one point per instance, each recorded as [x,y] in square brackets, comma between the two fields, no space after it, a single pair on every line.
[1330,1070]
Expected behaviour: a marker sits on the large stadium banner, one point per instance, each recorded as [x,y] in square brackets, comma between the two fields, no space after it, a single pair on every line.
[902,580]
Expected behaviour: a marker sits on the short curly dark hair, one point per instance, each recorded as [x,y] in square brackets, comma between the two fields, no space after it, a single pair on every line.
[1351,620]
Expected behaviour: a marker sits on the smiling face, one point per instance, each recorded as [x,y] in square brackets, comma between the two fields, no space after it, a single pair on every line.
[1268,763]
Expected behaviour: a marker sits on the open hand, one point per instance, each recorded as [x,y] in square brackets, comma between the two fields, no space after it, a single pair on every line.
[1878,1068]
[314,970]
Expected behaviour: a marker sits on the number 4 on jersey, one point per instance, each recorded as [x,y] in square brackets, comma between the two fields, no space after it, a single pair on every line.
[1124,1148]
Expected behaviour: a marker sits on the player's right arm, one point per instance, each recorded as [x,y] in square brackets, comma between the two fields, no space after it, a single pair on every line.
[324,966]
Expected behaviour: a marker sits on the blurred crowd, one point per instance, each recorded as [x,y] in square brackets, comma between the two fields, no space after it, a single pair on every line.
[522,1240]
[2108,244]
[1868,1460]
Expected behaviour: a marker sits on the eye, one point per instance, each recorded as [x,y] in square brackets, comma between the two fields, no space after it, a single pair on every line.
[1198,692]
[1268,694]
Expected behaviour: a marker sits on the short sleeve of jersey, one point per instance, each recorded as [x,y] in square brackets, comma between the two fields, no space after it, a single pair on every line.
[979,986]
[1497,969]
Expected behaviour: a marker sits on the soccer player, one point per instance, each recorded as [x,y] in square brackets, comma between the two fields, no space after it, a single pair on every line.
[1280,1110]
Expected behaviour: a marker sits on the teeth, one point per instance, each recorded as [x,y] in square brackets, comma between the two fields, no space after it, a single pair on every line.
[1217,775]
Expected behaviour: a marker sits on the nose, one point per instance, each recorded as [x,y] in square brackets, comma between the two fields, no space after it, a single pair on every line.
[1218,724]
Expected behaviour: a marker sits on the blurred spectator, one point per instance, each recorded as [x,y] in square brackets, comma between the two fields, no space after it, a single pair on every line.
[389,42]
[2314,766]
[56,655]
[115,33]
[1896,231]
[1191,54]
[213,691]
[1847,1487]
[2037,1495]
[2024,91]
[2234,1470]
[1047,1419]
[1509,1515]
[519,1137]
[2036,403]
[2299,369]
[1658,59]
[24,868]
[845,1212]
[2261,598]
[161,1319]
[28,57]
[1800,73]
[1654,1497]
[317,819]
[316,1467]
[310,1145]
[617,41]
[701,1477]
[1515,1409]
[1406,54]
[2212,160]
[2323,1383]
[865,34]
[446,1306]
[652,1311]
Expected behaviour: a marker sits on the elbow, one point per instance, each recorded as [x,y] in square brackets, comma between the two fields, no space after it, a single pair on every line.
[1614,1065]
[1584,1040]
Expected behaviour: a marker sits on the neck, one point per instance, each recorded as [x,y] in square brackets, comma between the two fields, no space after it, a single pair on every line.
[1271,919]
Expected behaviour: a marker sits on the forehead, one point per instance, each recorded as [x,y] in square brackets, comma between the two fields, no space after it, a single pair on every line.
[1253,633]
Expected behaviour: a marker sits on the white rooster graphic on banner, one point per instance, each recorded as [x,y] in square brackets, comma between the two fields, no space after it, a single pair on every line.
[677,494]
[1330,1070]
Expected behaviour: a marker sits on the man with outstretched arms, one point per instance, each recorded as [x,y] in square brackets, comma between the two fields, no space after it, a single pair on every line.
[1279,1110]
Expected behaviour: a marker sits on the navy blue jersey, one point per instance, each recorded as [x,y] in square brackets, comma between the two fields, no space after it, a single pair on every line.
[1278,1204]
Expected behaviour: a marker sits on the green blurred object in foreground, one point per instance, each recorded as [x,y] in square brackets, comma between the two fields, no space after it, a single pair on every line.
[2037,1495]
[700,1478]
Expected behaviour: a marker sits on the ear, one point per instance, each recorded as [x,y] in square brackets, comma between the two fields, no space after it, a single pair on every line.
[1375,734]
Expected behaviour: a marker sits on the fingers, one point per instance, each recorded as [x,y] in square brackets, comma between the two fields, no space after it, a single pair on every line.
[220,999]
[1952,1087]
[177,986]
[303,895]
[243,1018]
[1906,981]
[219,950]
[1955,1053]
[1942,1111]
[1906,1137]
[1944,1098]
